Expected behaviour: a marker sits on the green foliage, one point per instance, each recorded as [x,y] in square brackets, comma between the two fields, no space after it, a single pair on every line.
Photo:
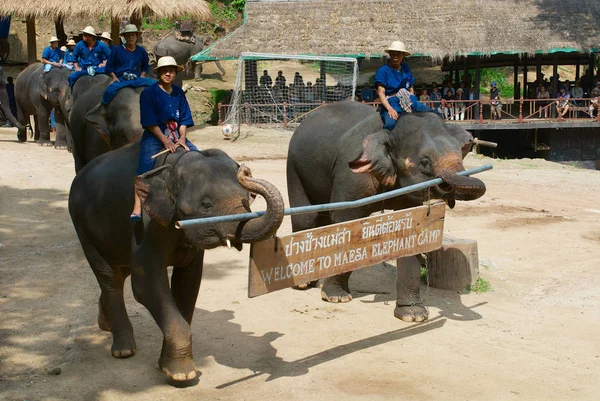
[423,273]
[158,24]
[480,286]
[498,75]
[217,96]
[226,10]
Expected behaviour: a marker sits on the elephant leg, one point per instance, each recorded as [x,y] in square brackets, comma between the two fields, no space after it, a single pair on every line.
[409,307]
[24,120]
[112,315]
[151,287]
[42,127]
[61,131]
[198,71]
[185,284]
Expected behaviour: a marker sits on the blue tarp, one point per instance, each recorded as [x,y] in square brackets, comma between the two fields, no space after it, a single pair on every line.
[4,26]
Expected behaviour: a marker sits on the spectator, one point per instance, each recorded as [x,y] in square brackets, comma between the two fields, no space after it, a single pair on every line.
[460,105]
[562,102]
[543,97]
[298,80]
[424,98]
[474,97]
[366,93]
[320,90]
[447,98]
[107,40]
[436,97]
[68,59]
[309,93]
[594,102]
[495,102]
[12,102]
[577,93]
[587,81]
[265,80]
[52,55]
[280,79]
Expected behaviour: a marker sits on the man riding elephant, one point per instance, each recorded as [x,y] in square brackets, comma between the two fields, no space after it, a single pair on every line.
[127,65]
[52,55]
[90,56]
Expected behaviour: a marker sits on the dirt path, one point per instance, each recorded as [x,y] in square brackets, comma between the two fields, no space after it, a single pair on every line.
[534,337]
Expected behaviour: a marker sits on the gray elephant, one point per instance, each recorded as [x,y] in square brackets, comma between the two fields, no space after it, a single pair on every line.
[86,83]
[182,51]
[188,185]
[37,94]
[97,128]
[342,153]
[5,103]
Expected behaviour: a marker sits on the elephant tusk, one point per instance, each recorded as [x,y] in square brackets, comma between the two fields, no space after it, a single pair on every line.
[228,243]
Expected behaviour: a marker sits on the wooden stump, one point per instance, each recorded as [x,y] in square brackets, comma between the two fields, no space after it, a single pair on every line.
[454,266]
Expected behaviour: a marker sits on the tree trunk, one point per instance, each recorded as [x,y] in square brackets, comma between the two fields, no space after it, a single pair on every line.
[454,266]
[31,42]
[59,27]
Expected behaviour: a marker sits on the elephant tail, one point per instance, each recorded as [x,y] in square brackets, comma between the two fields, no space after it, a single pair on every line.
[218,64]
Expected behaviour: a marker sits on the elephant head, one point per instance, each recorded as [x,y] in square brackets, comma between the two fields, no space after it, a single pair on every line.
[54,88]
[208,183]
[421,147]
[5,103]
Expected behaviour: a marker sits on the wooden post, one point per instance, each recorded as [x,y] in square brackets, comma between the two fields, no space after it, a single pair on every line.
[521,109]
[479,109]
[59,27]
[220,122]
[285,121]
[516,79]
[115,30]
[454,266]
[323,77]
[577,70]
[555,75]
[31,42]
[525,83]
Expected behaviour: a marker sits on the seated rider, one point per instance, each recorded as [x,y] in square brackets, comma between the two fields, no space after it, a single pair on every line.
[90,56]
[127,65]
[107,40]
[68,59]
[393,82]
[52,55]
[165,115]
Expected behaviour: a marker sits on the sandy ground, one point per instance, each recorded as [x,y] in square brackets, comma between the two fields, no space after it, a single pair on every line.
[534,337]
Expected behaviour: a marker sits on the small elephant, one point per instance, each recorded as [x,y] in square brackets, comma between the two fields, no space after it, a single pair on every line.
[189,185]
[342,153]
[5,102]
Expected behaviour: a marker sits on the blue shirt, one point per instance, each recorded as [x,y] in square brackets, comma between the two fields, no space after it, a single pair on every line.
[157,107]
[68,57]
[366,94]
[53,55]
[122,60]
[90,58]
[393,80]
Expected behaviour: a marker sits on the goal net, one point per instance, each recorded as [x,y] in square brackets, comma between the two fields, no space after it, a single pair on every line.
[280,90]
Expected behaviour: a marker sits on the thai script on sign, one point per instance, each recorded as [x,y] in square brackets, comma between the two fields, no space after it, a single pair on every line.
[310,243]
[387,227]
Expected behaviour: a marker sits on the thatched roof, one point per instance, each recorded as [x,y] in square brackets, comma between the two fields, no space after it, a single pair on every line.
[52,8]
[435,28]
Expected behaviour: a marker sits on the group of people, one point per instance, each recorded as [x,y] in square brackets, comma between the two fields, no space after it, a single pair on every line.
[165,113]
[568,95]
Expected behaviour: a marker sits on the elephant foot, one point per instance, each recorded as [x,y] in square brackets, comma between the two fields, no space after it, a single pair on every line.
[60,146]
[22,136]
[336,290]
[306,286]
[123,346]
[179,370]
[44,142]
[411,313]
[198,79]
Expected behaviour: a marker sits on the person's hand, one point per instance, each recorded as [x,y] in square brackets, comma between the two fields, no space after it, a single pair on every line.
[102,64]
[77,69]
[170,146]
[181,143]
[393,114]
[112,81]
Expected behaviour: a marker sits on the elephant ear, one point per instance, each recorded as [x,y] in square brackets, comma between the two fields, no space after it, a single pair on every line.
[97,119]
[153,189]
[464,137]
[376,158]
[43,89]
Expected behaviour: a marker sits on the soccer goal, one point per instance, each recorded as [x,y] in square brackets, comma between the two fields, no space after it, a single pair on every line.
[280,90]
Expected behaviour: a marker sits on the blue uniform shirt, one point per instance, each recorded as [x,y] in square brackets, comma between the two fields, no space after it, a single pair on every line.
[53,55]
[90,58]
[68,58]
[122,60]
[393,80]
[158,107]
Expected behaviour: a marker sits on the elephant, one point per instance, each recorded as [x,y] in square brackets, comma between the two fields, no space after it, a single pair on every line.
[37,94]
[87,82]
[182,51]
[188,185]
[342,153]
[5,103]
[97,128]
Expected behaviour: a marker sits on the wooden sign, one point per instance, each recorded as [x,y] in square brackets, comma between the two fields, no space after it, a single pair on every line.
[309,255]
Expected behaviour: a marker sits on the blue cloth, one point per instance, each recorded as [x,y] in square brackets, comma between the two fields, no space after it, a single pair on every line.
[393,80]
[4,25]
[158,108]
[75,75]
[53,55]
[113,88]
[52,119]
[366,94]
[68,57]
[122,60]
[86,57]
[389,123]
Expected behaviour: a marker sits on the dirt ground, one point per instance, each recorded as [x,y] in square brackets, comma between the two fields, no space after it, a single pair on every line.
[533,337]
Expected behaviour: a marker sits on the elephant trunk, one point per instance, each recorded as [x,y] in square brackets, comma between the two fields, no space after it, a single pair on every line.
[465,188]
[265,226]
[5,105]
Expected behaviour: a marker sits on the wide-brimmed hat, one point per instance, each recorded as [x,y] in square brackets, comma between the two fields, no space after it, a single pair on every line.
[106,35]
[460,90]
[89,30]
[71,42]
[397,46]
[53,39]
[167,61]
[129,28]
[63,48]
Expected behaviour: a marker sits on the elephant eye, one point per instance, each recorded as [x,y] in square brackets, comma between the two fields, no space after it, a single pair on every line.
[206,203]
[425,164]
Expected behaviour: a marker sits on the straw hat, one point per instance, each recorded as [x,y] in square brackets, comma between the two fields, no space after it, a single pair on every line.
[71,42]
[89,30]
[106,35]
[129,28]
[53,39]
[397,46]
[167,61]
[63,48]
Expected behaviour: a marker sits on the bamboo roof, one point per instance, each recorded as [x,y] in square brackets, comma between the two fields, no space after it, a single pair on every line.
[435,28]
[53,8]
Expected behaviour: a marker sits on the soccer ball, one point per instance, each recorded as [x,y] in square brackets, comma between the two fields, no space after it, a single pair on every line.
[227,130]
